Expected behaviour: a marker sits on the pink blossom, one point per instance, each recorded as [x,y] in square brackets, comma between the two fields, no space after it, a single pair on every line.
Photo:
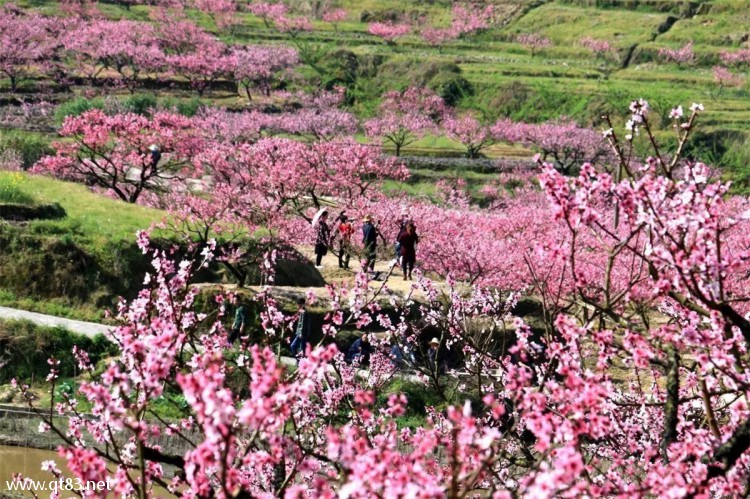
[683,55]
[388,31]
[533,42]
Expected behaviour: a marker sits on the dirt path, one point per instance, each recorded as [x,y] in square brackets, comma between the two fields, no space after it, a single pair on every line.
[333,275]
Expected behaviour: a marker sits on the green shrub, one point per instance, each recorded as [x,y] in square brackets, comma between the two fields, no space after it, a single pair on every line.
[76,107]
[189,107]
[31,147]
[12,189]
[339,68]
[451,87]
[25,348]
[140,104]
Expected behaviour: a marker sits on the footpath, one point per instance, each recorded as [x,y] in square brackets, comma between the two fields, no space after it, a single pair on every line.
[79,327]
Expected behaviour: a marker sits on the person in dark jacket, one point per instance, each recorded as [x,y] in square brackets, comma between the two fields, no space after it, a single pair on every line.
[408,241]
[397,355]
[155,155]
[322,239]
[238,327]
[302,332]
[370,241]
[360,350]
[403,221]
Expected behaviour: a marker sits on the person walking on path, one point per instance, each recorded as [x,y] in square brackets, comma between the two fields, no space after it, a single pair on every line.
[302,331]
[370,235]
[408,241]
[345,230]
[238,327]
[322,239]
[403,221]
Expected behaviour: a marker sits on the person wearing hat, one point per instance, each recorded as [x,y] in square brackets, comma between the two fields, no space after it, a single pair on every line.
[370,241]
[432,354]
[346,231]
[403,221]
[155,155]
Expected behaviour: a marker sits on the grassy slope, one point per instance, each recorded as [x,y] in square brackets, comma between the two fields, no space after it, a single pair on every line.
[101,226]
[94,218]
[492,61]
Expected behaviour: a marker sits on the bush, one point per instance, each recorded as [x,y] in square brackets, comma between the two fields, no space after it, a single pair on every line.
[142,104]
[339,68]
[25,348]
[419,397]
[735,161]
[46,268]
[30,147]
[76,107]
[11,189]
[451,87]
[187,108]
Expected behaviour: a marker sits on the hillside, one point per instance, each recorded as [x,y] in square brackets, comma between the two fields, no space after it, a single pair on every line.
[502,78]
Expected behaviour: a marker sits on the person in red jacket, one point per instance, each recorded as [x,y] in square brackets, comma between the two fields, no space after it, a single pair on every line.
[346,230]
[408,240]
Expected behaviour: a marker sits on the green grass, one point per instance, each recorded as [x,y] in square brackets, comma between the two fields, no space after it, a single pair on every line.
[13,189]
[56,307]
[722,28]
[94,217]
[566,25]
[75,267]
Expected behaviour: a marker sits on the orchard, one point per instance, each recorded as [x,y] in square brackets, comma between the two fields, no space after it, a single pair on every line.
[629,379]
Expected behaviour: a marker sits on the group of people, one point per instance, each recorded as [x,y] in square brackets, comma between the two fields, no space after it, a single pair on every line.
[359,352]
[406,241]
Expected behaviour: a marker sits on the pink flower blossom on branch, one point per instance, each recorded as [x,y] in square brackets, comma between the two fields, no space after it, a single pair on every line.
[25,44]
[113,152]
[469,18]
[406,116]
[564,142]
[131,49]
[683,55]
[438,36]
[223,12]
[596,46]
[260,66]
[533,42]
[736,58]
[726,78]
[470,132]
[388,31]
[268,12]
[335,16]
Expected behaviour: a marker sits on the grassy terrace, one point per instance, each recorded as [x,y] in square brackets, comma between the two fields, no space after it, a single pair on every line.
[492,62]
[72,267]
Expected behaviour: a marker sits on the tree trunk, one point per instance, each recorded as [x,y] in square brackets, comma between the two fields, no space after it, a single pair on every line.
[672,404]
